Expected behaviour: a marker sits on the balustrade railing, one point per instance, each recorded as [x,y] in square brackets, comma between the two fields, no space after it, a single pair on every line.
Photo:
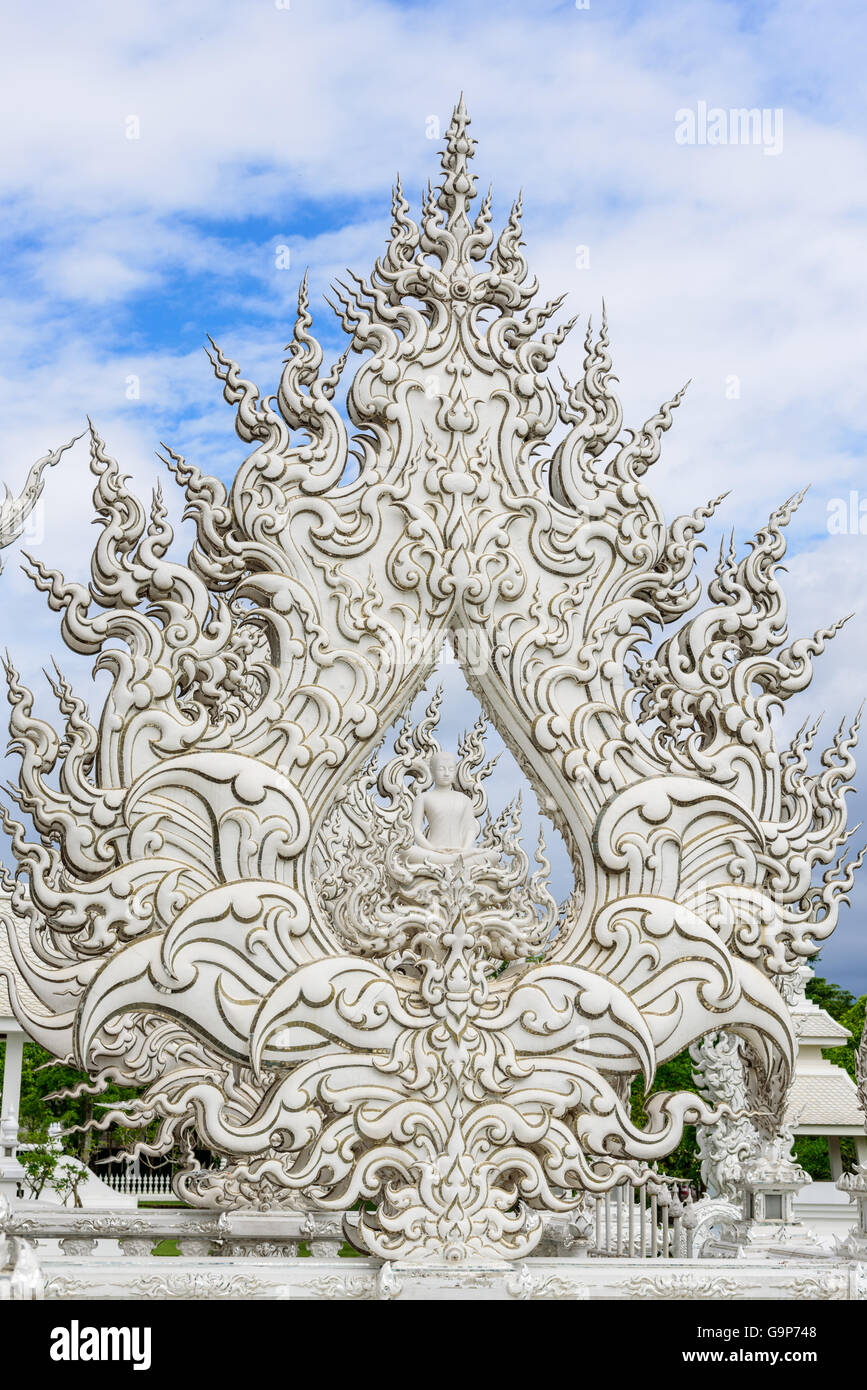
[194,1232]
[142,1184]
[647,1222]
[650,1221]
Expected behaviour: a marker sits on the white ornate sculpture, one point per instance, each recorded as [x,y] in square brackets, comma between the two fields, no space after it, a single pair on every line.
[726,1145]
[14,511]
[855,1183]
[234,910]
[387,887]
[444,823]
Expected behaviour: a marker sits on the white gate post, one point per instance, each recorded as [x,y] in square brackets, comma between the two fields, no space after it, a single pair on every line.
[11,1172]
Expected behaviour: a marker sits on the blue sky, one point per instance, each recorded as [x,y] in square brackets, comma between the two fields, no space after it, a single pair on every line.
[260,126]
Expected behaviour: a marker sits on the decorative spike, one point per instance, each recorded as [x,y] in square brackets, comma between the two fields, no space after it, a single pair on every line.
[507,257]
[459,184]
[14,511]
[644,448]
[481,236]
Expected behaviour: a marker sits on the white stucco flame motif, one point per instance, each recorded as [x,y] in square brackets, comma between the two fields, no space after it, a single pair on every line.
[224,894]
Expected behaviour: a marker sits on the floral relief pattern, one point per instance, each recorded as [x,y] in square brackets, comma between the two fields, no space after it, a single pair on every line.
[213,889]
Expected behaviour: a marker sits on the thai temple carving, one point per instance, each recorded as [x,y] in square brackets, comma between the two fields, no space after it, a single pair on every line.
[15,511]
[727,1144]
[339,970]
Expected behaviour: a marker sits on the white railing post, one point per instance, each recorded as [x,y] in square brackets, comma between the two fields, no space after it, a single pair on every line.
[664,1201]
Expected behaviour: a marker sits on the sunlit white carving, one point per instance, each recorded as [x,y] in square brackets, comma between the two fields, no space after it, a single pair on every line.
[233,909]
[15,511]
[726,1145]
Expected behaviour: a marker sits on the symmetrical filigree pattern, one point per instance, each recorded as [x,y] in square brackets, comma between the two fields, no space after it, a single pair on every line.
[384,904]
[193,938]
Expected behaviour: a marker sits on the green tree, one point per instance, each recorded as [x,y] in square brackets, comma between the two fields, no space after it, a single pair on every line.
[39,1165]
[834,998]
[848,1011]
[812,1150]
[42,1078]
[674,1075]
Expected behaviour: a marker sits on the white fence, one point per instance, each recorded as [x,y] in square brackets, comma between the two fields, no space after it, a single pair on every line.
[626,1221]
[636,1222]
[108,1254]
[142,1184]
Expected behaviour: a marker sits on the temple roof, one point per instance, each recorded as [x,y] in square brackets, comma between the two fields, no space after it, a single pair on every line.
[825,1099]
[818,1029]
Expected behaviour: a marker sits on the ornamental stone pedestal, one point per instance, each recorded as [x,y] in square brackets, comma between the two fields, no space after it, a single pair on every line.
[11,1171]
[769,1183]
[20,1275]
[855,1184]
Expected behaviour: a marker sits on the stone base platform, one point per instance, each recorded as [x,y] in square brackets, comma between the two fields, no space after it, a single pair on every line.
[152,1277]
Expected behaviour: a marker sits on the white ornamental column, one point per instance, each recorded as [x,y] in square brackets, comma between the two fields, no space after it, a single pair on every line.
[770,1182]
[856,1183]
[724,1147]
[11,1172]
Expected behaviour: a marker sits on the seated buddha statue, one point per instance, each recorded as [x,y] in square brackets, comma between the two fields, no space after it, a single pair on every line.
[444,823]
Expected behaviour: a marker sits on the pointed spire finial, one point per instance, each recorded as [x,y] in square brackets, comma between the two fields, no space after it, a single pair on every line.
[459,185]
